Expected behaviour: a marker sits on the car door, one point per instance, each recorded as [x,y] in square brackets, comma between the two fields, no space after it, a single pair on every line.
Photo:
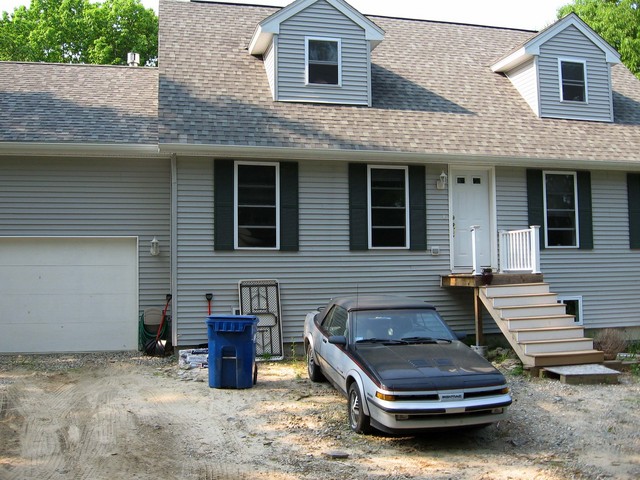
[332,357]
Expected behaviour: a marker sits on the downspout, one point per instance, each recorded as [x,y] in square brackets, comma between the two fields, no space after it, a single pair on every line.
[174,248]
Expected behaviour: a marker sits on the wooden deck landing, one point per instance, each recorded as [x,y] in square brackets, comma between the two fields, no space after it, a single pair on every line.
[467,280]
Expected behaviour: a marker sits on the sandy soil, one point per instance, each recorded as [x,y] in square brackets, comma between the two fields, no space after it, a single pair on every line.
[122,416]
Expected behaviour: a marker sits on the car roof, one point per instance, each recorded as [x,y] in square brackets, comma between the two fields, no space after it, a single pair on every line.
[378,302]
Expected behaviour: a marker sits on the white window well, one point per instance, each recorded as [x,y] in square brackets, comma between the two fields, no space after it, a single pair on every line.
[574,307]
[561,209]
[573,80]
[257,205]
[323,61]
[388,198]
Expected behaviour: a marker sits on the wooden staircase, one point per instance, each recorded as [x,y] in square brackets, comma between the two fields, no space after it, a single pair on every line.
[537,326]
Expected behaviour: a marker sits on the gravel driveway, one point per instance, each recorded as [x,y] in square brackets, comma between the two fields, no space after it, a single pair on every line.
[125,416]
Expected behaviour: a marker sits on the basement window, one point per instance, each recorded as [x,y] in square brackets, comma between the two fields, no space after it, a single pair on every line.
[574,307]
[323,59]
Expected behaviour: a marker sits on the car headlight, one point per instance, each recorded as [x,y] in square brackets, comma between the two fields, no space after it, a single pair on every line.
[386,396]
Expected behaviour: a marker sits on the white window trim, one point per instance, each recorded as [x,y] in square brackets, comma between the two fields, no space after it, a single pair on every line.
[575,196]
[276,165]
[577,298]
[407,207]
[586,84]
[306,61]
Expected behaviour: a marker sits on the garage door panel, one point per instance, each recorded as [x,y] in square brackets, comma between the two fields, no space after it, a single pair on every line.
[87,337]
[68,294]
[53,279]
[68,309]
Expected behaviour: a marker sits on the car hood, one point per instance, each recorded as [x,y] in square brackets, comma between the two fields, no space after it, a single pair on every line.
[427,366]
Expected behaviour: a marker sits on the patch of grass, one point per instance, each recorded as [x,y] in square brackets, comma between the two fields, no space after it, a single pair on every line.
[517,370]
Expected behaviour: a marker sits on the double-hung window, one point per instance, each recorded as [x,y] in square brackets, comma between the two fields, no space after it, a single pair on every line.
[388,197]
[573,80]
[323,61]
[561,209]
[257,205]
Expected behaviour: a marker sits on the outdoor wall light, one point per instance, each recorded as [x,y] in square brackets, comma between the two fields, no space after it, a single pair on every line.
[155,247]
[441,183]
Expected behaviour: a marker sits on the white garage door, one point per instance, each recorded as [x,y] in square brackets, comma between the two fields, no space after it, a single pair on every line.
[68,294]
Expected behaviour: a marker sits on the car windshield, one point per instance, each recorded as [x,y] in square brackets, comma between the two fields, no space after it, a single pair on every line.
[399,326]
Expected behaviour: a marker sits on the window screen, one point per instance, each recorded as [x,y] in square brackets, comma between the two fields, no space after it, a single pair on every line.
[323,62]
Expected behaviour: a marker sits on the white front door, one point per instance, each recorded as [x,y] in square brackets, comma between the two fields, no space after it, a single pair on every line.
[472,205]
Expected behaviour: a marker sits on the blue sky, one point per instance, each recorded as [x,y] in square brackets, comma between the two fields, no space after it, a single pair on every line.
[528,14]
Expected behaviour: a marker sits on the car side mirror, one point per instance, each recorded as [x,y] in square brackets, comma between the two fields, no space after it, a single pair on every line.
[338,340]
[461,335]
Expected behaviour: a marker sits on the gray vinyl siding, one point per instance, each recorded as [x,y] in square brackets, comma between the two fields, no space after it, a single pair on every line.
[324,266]
[322,20]
[525,79]
[269,65]
[605,277]
[93,197]
[572,43]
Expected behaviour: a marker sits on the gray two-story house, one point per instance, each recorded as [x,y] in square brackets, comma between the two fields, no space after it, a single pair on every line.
[323,152]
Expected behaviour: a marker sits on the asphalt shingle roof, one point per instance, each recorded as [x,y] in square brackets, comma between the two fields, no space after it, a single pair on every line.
[42,102]
[433,93]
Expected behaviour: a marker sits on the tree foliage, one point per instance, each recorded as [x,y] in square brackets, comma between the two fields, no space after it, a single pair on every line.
[79,31]
[617,21]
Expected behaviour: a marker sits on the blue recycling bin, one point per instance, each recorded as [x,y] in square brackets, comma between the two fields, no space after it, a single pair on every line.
[232,350]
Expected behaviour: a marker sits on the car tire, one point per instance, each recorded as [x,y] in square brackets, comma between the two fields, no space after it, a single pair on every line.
[313,370]
[359,421]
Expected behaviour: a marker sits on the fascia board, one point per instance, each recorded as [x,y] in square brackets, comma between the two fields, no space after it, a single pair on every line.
[271,25]
[284,153]
[511,61]
[533,45]
[79,149]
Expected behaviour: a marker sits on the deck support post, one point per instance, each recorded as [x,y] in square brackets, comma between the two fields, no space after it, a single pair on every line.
[477,309]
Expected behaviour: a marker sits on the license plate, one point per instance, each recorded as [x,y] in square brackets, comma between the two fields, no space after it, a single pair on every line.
[451,397]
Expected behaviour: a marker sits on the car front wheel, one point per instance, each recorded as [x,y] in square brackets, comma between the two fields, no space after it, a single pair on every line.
[315,375]
[358,420]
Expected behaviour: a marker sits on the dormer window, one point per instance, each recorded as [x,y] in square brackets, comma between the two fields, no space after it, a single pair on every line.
[573,80]
[323,56]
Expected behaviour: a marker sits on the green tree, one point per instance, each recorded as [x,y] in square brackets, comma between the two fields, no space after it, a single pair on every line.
[79,31]
[617,21]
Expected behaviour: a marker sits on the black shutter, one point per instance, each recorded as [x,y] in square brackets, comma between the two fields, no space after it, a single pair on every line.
[418,210]
[223,205]
[535,202]
[633,190]
[584,210]
[289,222]
[358,223]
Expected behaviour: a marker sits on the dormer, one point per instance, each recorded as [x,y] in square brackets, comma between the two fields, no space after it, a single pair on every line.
[564,72]
[318,51]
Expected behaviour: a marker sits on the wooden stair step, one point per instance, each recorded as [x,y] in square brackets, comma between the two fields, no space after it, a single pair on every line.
[566,358]
[514,289]
[545,309]
[548,333]
[557,346]
[512,300]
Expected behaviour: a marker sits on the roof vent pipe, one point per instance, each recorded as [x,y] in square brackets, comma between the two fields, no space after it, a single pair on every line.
[133,59]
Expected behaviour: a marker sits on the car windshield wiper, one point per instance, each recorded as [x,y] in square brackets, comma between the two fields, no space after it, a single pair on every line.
[385,341]
[425,340]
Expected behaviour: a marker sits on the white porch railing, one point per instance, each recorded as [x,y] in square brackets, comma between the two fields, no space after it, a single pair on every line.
[520,250]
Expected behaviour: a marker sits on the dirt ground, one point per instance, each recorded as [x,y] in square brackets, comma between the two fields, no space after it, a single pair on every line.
[124,416]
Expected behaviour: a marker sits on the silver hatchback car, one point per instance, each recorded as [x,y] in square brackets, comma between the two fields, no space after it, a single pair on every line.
[400,366]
